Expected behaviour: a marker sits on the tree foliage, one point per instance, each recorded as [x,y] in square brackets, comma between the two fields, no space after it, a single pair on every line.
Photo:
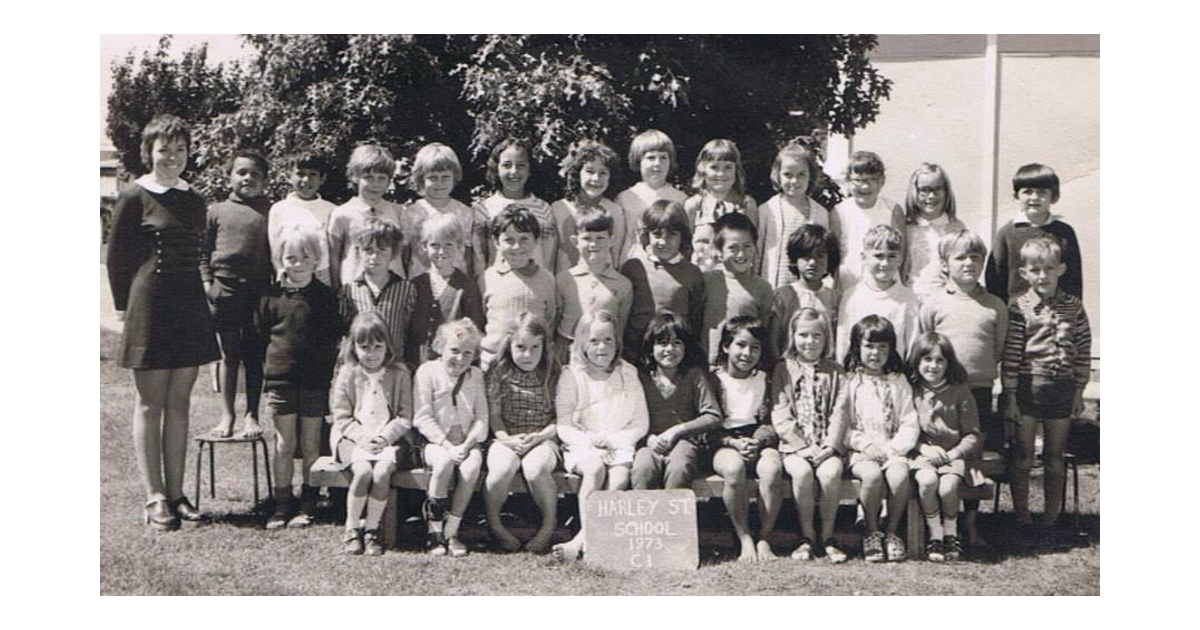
[329,92]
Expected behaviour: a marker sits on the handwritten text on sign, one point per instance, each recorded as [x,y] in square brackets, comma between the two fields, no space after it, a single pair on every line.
[642,529]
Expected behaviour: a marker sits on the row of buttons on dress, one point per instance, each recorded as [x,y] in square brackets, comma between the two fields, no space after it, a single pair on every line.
[177,251]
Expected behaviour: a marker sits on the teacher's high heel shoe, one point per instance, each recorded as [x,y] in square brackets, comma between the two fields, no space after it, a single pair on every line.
[185,511]
[160,517]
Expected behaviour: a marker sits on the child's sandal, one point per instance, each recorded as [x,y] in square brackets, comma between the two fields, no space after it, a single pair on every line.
[873,547]
[896,551]
[804,552]
[935,551]
[352,542]
[436,544]
[952,548]
[371,546]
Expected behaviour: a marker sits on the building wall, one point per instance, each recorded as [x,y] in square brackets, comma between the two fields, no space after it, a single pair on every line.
[1049,112]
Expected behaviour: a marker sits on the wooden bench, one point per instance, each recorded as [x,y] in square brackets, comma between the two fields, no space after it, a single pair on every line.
[326,473]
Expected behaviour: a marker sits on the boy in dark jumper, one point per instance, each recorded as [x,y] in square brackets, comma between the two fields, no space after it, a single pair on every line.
[235,265]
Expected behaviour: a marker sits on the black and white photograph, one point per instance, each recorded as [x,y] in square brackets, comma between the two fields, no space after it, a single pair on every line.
[576,315]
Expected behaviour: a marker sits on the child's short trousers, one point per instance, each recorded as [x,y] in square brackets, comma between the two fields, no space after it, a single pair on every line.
[233,302]
[308,403]
[1045,398]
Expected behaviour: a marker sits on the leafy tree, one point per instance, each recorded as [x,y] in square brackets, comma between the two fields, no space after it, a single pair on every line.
[329,92]
[190,88]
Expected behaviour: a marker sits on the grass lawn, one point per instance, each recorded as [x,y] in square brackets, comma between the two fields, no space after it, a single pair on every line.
[232,555]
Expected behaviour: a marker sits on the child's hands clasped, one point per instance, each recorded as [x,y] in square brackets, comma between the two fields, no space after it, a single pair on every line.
[375,445]
[936,455]
[665,441]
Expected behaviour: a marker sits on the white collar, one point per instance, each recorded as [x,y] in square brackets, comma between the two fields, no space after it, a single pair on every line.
[148,182]
[942,220]
[1020,218]
[674,260]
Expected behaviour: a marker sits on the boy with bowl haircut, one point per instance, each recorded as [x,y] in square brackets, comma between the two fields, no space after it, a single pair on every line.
[376,244]
[235,265]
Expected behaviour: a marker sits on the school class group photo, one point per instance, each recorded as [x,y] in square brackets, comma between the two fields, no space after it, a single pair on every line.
[638,339]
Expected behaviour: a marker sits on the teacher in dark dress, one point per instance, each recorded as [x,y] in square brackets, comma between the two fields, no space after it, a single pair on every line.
[153,271]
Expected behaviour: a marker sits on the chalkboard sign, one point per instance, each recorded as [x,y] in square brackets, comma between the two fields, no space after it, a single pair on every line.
[642,529]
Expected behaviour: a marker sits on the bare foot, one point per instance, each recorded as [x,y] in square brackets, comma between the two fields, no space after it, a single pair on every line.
[223,429]
[568,552]
[764,551]
[540,543]
[504,539]
[748,553]
[252,429]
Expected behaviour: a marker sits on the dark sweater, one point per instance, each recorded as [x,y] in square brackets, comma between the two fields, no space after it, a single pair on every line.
[301,328]
[1003,275]
[658,287]
[693,404]
[235,244]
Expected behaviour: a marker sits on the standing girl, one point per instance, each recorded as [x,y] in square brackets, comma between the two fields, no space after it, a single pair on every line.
[949,423]
[452,414]
[794,176]
[652,157]
[929,214]
[682,406]
[587,168]
[745,437]
[812,252]
[372,411]
[720,183]
[153,253]
[602,414]
[508,167]
[882,429]
[809,416]
[520,393]
[435,173]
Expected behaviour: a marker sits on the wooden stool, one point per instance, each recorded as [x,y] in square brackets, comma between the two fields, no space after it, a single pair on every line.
[211,442]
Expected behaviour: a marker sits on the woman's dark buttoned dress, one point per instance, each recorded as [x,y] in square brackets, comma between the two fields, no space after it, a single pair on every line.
[154,274]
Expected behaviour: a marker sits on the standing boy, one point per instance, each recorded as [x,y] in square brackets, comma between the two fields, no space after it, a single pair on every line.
[376,244]
[975,322]
[304,207]
[879,291]
[516,283]
[1047,364]
[370,169]
[591,284]
[1036,189]
[734,289]
[235,265]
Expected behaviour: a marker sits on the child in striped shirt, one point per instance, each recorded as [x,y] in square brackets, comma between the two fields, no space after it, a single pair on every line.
[1047,363]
